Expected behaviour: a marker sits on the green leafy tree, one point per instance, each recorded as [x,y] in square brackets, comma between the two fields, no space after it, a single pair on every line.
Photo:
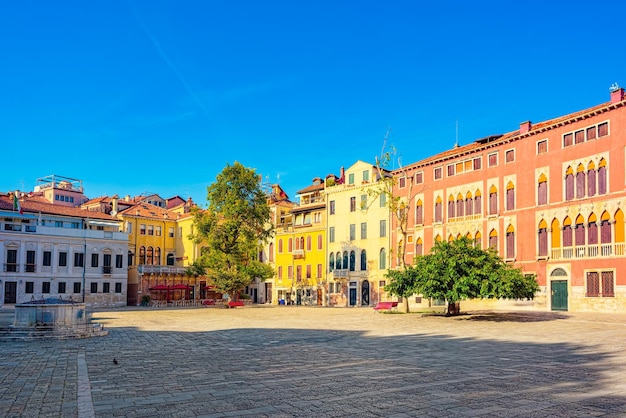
[232,229]
[458,270]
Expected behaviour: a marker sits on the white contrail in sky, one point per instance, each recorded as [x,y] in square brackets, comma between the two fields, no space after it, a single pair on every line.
[172,67]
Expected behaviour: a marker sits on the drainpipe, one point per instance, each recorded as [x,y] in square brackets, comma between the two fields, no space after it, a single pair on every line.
[84,256]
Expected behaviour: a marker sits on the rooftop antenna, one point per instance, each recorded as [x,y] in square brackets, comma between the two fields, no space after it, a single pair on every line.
[456,142]
[614,87]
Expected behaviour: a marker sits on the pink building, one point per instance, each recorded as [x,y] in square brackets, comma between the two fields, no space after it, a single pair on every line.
[548,196]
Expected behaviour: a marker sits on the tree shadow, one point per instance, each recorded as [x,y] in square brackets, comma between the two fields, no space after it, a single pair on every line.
[512,316]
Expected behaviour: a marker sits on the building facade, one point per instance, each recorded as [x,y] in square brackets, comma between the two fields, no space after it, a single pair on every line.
[358,237]
[55,251]
[549,197]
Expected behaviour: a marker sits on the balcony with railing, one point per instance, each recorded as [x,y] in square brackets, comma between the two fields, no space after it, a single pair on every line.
[298,254]
[30,268]
[616,249]
[11,267]
[107,269]
[157,269]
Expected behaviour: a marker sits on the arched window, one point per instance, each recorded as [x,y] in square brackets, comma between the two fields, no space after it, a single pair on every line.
[344,262]
[580,181]
[338,261]
[556,233]
[469,204]
[170,259]
[280,246]
[382,261]
[542,190]
[130,258]
[579,234]
[419,212]
[320,242]
[493,200]
[592,233]
[363,260]
[478,203]
[450,238]
[510,242]
[308,243]
[331,262]
[569,183]
[619,226]
[290,245]
[271,252]
[157,256]
[605,228]
[150,256]
[438,209]
[478,240]
[142,255]
[543,238]
[510,196]
[602,185]
[451,207]
[438,238]
[591,179]
[567,232]
[302,244]
[493,239]
[419,247]
[460,208]
[352,261]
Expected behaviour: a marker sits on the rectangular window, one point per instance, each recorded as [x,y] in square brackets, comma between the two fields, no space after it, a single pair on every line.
[30,287]
[579,137]
[603,129]
[30,261]
[438,173]
[79,259]
[402,182]
[94,260]
[331,206]
[142,229]
[62,260]
[58,224]
[542,146]
[383,200]
[493,159]
[45,287]
[477,163]
[106,264]
[510,199]
[542,193]
[383,228]
[331,234]
[568,140]
[289,272]
[353,204]
[319,271]
[451,170]
[366,175]
[363,230]
[351,178]
[119,261]
[591,133]
[608,285]
[509,156]
[118,287]
[106,287]
[61,287]
[363,202]
[158,231]
[94,287]
[308,271]
[352,232]
[75,225]
[77,287]
[280,272]
[150,229]
[170,232]
[419,178]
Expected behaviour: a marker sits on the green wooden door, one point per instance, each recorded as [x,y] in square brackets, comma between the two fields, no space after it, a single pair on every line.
[559,295]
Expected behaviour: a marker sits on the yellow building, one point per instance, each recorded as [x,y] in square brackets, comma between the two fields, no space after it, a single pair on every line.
[359,225]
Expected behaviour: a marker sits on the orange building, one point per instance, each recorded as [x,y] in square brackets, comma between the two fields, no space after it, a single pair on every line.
[548,196]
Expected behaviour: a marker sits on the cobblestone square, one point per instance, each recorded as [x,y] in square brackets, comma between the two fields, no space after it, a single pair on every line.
[301,361]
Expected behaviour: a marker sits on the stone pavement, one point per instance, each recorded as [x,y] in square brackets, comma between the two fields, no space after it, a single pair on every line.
[302,361]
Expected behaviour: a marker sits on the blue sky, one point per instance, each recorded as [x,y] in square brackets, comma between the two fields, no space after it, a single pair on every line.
[158,96]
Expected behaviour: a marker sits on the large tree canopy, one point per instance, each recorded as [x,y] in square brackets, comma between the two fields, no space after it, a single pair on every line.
[230,230]
[458,270]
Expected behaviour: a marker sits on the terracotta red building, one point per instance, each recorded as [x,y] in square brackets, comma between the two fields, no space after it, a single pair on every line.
[549,196]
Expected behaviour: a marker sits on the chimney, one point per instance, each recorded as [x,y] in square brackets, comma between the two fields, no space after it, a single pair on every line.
[114,200]
[617,94]
[524,127]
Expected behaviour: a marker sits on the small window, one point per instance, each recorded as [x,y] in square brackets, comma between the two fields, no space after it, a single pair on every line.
[366,175]
[106,287]
[118,287]
[62,260]
[353,204]
[352,232]
[351,178]
[477,163]
[451,170]
[383,200]
[61,287]
[363,230]
[438,173]
[591,133]
[30,287]
[170,232]
[568,140]
[142,229]
[94,287]
[603,129]
[383,228]
[150,229]
[79,259]
[542,146]
[579,137]
[77,287]
[331,234]
[419,178]
[509,156]
[158,231]
[331,206]
[402,182]
[119,261]
[94,260]
[493,159]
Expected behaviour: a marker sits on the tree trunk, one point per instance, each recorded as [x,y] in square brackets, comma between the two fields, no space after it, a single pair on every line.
[454,308]
[405,303]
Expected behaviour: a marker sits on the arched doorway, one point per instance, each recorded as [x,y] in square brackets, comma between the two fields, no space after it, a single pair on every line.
[365,293]
[558,290]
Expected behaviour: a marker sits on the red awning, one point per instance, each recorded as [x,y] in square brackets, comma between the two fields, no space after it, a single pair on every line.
[180,287]
[159,287]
